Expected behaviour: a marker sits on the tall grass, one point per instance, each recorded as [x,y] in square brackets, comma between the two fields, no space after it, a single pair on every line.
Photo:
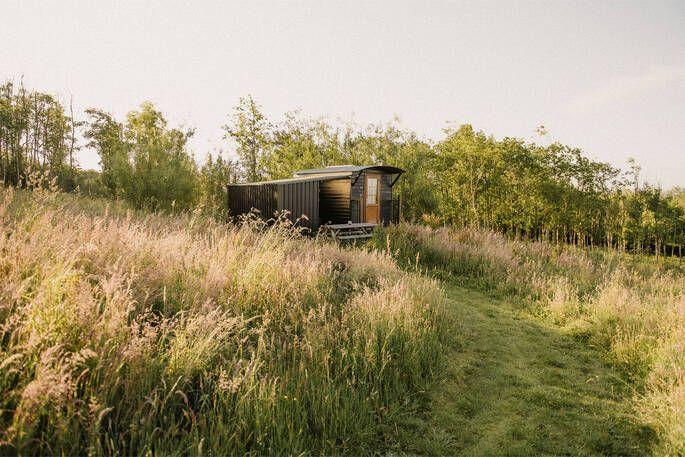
[136,334]
[632,307]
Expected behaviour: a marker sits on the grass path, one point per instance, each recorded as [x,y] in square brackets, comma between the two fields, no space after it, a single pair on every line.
[517,386]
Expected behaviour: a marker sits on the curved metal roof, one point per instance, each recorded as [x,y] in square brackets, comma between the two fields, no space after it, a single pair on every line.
[305,178]
[349,169]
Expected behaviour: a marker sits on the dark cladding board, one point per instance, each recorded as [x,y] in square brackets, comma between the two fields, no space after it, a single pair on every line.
[334,201]
[386,199]
[301,200]
[357,197]
[243,199]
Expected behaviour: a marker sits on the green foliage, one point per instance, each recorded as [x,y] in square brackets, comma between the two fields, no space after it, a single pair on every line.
[553,193]
[300,143]
[470,179]
[470,169]
[163,170]
[213,177]
[37,135]
[143,160]
[106,136]
[467,179]
[250,131]
[89,183]
[678,194]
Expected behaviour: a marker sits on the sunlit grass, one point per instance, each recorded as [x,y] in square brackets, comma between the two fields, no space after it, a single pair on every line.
[632,307]
[125,333]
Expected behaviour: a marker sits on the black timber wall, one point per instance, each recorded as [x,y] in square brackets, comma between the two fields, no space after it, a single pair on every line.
[334,201]
[386,199]
[300,199]
[244,198]
[357,197]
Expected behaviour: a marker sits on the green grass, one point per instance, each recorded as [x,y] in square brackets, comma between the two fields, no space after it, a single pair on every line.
[147,334]
[516,386]
[627,310]
[127,333]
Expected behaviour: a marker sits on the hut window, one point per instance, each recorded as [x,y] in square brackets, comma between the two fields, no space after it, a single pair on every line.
[371,191]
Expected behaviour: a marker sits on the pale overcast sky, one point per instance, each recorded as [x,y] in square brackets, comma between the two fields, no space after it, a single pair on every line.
[605,76]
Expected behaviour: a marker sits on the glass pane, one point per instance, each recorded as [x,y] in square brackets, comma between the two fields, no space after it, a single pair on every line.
[371,191]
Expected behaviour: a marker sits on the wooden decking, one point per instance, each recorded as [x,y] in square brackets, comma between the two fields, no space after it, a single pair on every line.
[348,231]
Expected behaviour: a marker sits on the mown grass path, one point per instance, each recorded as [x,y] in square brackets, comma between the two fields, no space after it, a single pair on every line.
[517,386]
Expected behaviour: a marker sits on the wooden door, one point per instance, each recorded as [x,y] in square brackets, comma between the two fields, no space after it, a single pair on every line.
[372,199]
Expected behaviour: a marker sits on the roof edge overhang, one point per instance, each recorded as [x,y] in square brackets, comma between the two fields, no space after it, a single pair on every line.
[349,169]
[296,179]
[386,169]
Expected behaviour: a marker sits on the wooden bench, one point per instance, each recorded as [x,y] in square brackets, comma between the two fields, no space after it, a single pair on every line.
[348,231]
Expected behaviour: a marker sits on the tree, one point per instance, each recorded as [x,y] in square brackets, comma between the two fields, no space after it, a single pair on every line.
[251,132]
[213,177]
[470,168]
[106,136]
[143,160]
[163,170]
[546,192]
[36,135]
[299,143]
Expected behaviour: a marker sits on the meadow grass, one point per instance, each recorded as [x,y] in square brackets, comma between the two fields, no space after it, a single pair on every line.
[632,307]
[126,333]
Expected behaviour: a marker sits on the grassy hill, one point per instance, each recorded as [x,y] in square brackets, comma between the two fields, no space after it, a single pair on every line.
[132,334]
[628,309]
[124,332]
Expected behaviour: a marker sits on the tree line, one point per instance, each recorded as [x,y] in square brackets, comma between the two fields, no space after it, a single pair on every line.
[549,192]
[37,132]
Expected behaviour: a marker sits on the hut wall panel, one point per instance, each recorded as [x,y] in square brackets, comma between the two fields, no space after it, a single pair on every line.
[357,197]
[242,200]
[334,201]
[386,198]
[300,198]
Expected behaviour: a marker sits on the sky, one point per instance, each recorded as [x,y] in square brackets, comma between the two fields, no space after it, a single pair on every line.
[608,77]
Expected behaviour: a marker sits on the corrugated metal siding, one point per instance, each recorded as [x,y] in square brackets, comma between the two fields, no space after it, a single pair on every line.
[300,199]
[242,199]
[334,201]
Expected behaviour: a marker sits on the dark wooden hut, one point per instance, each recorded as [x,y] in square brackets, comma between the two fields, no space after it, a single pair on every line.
[331,196]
